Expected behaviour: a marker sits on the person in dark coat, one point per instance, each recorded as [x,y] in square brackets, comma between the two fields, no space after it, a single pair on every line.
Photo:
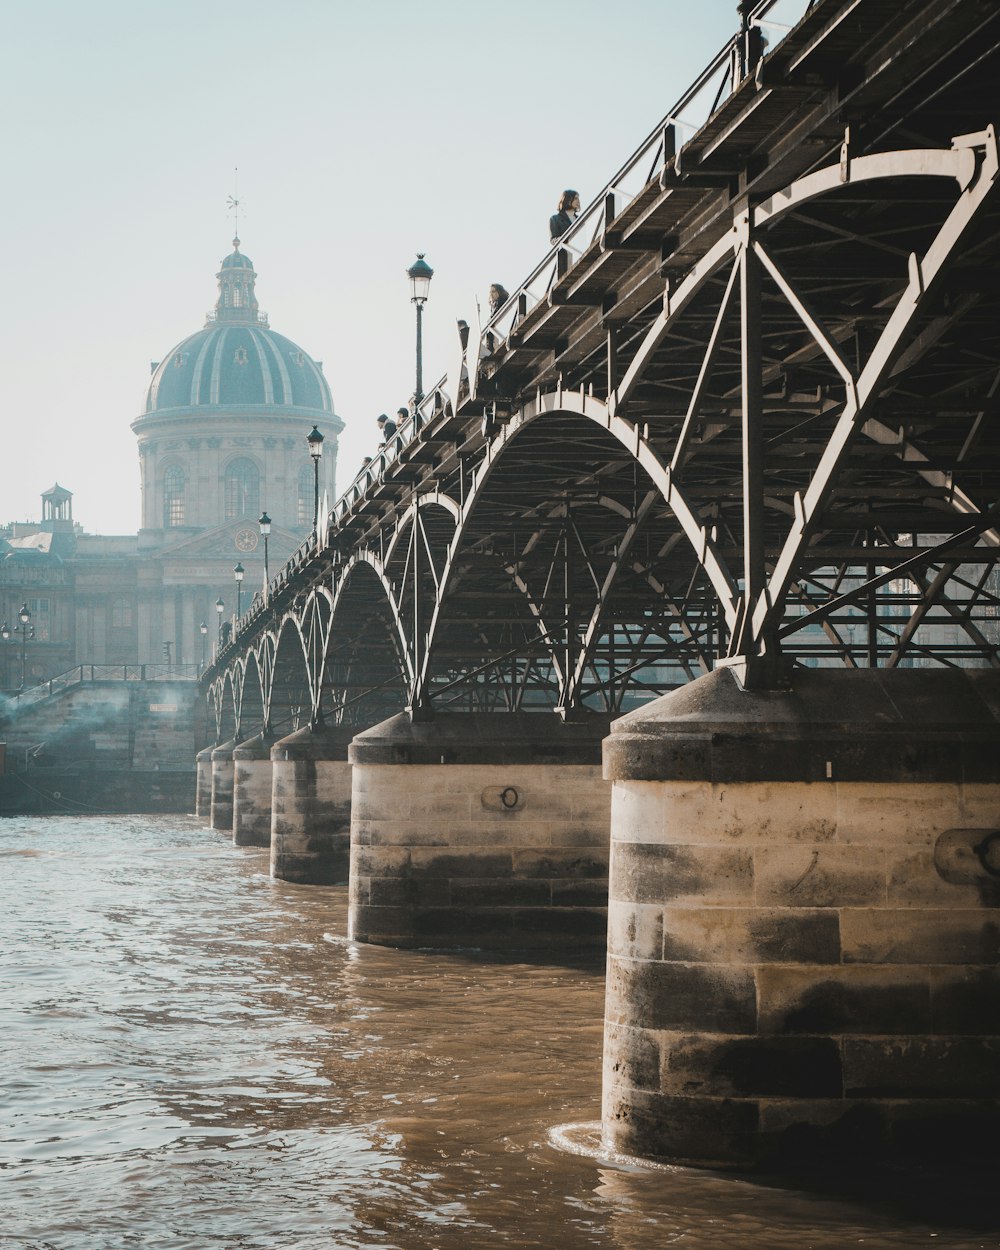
[569,210]
[387,428]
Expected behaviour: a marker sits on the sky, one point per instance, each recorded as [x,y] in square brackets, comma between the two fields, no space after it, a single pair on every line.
[362,133]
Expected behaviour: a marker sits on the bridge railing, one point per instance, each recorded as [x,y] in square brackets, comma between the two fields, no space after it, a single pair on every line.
[712,87]
[83,673]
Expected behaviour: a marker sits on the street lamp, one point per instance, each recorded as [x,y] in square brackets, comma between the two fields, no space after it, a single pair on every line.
[220,607]
[5,635]
[238,572]
[420,274]
[265,528]
[203,630]
[315,440]
[24,616]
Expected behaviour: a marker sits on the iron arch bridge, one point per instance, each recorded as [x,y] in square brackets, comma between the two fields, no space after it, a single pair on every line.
[743,413]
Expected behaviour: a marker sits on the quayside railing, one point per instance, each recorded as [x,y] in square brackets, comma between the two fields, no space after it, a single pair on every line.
[85,673]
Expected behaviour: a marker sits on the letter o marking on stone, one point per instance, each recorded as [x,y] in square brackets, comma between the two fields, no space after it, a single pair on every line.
[509,797]
[989,853]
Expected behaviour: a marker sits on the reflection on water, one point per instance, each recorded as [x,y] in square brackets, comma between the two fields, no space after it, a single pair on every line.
[195,1057]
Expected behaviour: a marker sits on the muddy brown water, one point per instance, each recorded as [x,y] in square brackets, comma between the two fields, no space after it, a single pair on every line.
[195,1058]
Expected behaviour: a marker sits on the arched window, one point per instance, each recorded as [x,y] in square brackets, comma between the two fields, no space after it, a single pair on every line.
[242,490]
[173,496]
[306,494]
[121,613]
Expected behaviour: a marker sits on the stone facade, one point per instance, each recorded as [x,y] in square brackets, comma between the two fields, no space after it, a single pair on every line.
[222,438]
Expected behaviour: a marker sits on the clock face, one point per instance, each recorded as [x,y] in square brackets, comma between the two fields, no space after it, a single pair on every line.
[246,540]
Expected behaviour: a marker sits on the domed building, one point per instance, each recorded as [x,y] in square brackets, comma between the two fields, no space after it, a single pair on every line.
[223,432]
[221,439]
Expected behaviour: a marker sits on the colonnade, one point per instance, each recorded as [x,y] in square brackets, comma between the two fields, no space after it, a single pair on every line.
[798,888]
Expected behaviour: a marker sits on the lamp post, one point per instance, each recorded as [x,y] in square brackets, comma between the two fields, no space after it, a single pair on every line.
[5,635]
[238,572]
[220,607]
[420,274]
[203,630]
[265,528]
[315,440]
[24,616]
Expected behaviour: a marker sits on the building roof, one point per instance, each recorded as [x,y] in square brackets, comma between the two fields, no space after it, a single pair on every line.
[237,359]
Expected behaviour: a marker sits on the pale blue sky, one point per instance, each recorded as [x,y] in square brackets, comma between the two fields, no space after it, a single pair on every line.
[362,133]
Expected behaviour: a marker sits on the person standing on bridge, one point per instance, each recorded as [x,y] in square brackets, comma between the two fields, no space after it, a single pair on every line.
[568,211]
[387,427]
[499,296]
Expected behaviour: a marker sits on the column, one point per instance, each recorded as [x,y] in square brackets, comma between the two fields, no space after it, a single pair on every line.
[803,929]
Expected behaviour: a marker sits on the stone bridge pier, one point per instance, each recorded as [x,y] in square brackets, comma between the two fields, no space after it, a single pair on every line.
[252,781]
[479,830]
[221,799]
[310,829]
[803,923]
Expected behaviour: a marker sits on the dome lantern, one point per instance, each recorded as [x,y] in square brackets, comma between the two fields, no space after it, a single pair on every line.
[237,302]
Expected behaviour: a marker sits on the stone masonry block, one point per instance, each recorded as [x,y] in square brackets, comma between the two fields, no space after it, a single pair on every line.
[819,876]
[635,930]
[507,893]
[552,863]
[922,1067]
[389,861]
[706,875]
[435,863]
[910,815]
[751,936]
[717,1131]
[579,893]
[681,997]
[577,832]
[739,813]
[409,892]
[637,811]
[965,1000]
[632,1057]
[802,1067]
[565,926]
[920,936]
[980,806]
[913,880]
[833,1000]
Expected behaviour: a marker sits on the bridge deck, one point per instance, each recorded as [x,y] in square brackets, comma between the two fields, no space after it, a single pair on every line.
[724,410]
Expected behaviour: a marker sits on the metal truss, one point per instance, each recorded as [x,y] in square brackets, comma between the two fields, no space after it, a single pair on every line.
[746,428]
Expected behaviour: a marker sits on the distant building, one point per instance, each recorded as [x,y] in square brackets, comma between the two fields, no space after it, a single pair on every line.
[222,437]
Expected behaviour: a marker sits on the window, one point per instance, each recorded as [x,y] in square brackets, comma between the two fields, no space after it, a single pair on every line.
[242,490]
[41,621]
[241,357]
[306,495]
[237,295]
[121,613]
[173,497]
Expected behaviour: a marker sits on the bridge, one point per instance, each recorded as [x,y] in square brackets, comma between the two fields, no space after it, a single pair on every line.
[714,497]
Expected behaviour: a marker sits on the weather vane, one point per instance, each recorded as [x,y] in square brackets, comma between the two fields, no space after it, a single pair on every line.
[233,202]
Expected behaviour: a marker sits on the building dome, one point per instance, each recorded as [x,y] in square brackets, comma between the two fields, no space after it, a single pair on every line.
[241,366]
[223,432]
[237,360]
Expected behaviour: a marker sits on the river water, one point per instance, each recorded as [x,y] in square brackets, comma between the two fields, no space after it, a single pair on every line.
[195,1058]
